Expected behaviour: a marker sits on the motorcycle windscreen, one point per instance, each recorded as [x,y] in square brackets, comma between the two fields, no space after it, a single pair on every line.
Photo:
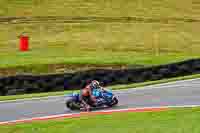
[108,94]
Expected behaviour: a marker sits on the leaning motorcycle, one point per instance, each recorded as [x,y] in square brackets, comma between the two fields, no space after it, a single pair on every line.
[104,99]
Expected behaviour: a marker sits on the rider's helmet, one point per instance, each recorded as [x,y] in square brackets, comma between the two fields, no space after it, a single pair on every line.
[85,93]
[95,84]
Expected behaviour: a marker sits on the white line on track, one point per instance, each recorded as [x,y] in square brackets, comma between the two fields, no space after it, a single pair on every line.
[72,115]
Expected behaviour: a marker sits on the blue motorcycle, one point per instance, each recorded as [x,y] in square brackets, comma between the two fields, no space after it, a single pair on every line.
[104,98]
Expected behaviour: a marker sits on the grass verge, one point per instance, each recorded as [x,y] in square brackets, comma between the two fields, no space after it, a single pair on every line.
[116,87]
[184,120]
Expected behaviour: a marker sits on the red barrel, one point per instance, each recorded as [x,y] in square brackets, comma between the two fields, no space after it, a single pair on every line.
[24,43]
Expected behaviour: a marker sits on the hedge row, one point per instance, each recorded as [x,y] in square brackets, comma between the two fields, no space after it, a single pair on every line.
[22,84]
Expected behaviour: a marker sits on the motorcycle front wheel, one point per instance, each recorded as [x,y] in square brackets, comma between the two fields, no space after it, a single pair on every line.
[115,101]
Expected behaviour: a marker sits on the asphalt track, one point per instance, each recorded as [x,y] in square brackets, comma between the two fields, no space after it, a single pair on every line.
[178,93]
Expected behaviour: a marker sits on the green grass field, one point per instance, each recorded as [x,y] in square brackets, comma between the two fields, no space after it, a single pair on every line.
[184,120]
[136,42]
[100,43]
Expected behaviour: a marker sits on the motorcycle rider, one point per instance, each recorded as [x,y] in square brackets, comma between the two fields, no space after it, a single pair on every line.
[86,94]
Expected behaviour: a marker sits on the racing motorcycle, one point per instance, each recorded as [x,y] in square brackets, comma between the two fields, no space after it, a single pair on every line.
[104,99]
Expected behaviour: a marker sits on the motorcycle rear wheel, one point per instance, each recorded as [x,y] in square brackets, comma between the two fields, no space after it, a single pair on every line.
[72,105]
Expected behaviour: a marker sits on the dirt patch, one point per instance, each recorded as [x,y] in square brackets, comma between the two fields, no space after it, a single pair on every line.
[63,19]
[60,68]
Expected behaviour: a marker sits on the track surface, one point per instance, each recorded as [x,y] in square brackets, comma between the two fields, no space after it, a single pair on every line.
[169,94]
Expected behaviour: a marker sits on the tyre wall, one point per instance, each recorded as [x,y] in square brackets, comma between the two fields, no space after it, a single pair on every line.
[22,84]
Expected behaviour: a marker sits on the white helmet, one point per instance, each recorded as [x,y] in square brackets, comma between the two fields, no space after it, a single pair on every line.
[95,84]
